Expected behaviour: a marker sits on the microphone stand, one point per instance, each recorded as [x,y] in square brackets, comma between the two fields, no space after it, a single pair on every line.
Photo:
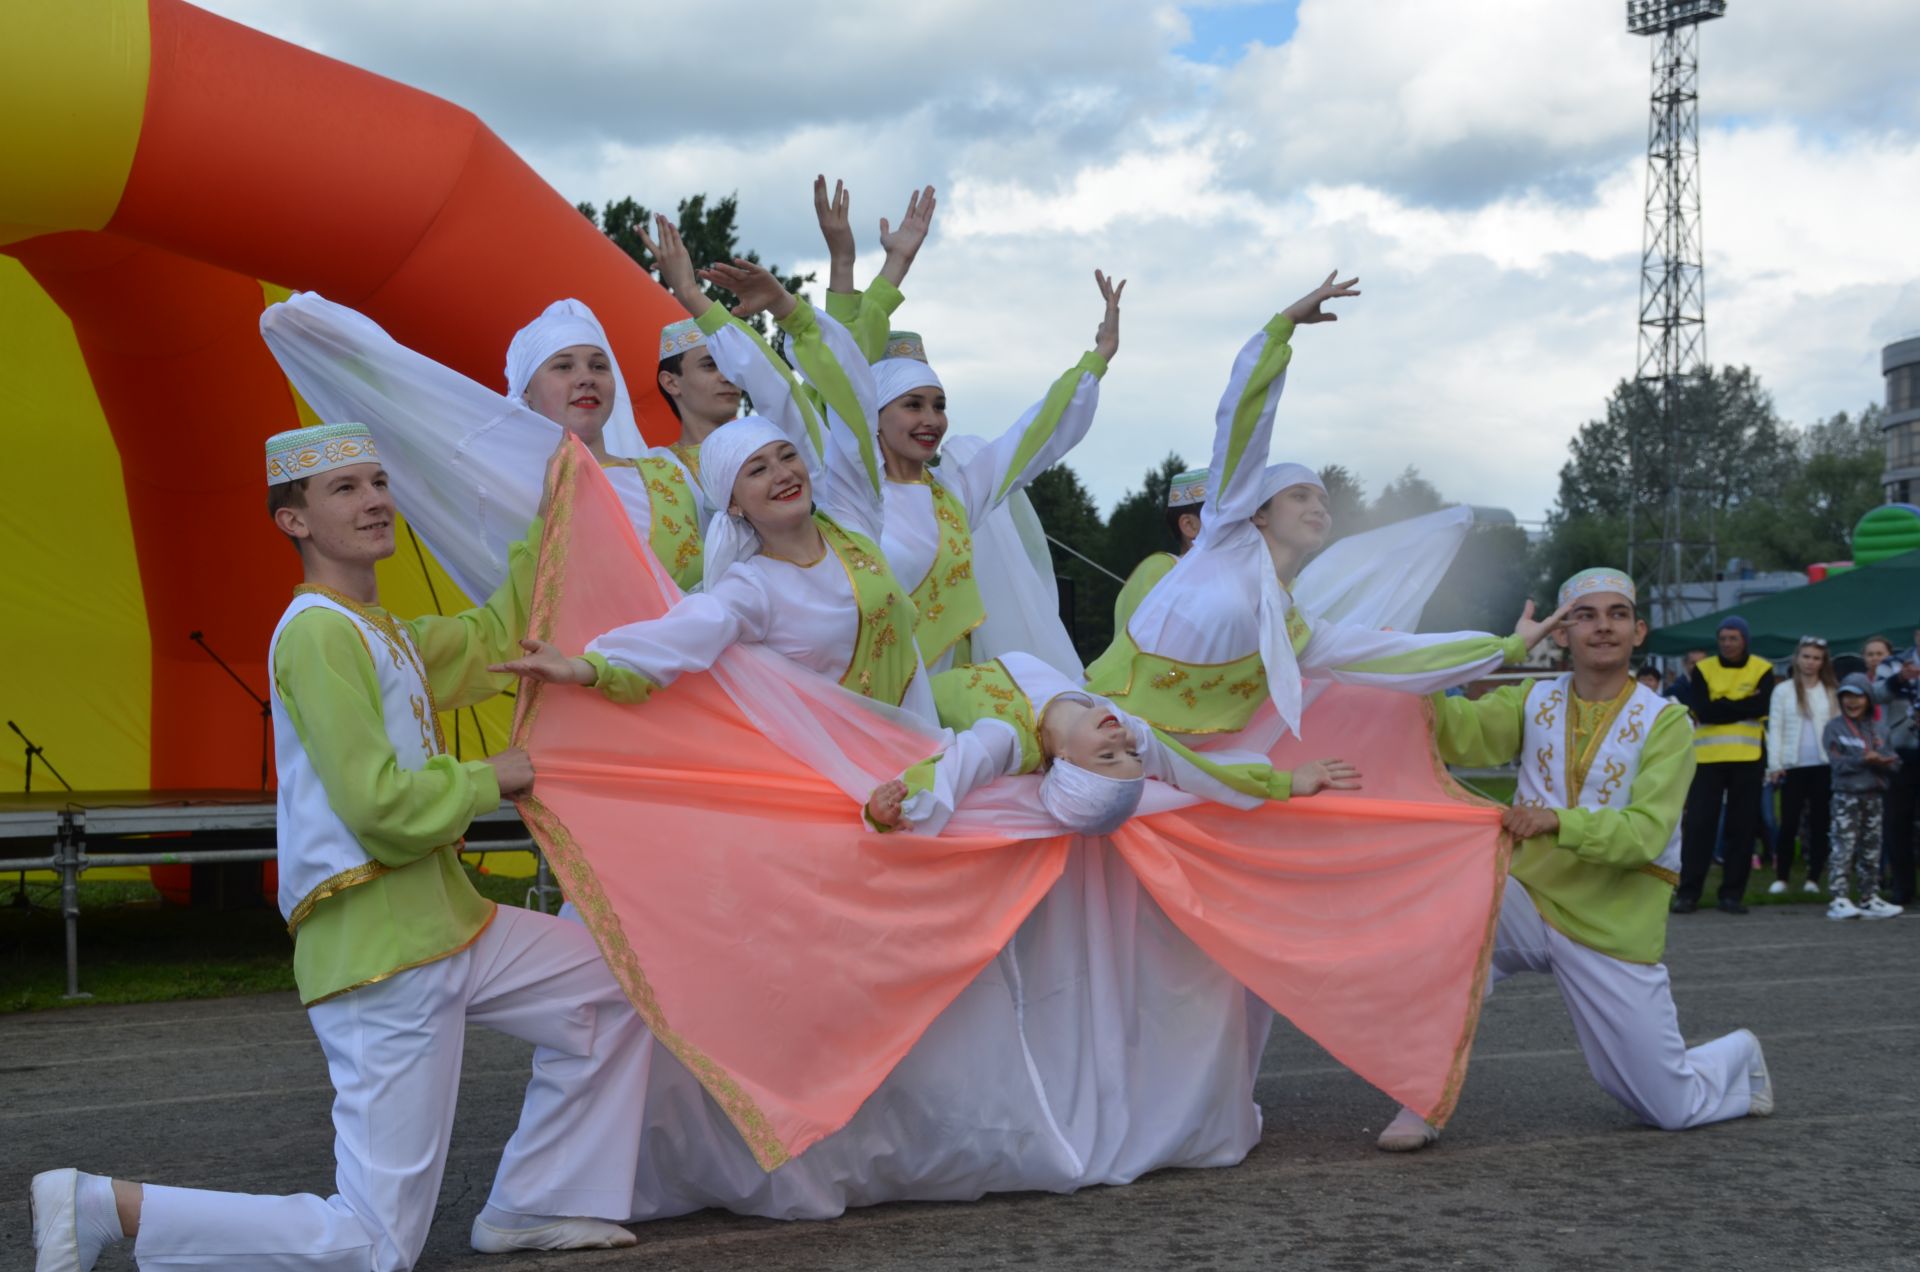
[266,709]
[20,900]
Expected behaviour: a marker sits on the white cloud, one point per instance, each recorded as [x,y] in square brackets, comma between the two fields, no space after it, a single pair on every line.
[1477,164]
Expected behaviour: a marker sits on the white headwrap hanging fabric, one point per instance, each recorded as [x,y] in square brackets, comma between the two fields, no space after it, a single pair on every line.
[1088,803]
[893,377]
[562,325]
[729,538]
[1276,645]
[1280,476]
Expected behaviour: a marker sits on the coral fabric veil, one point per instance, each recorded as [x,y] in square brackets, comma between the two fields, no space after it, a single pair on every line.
[789,958]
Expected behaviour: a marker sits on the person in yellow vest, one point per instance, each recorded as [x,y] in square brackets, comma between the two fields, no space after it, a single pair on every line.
[394,952]
[1604,768]
[1729,695]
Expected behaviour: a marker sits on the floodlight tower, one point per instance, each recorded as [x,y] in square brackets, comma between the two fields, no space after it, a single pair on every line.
[1668,553]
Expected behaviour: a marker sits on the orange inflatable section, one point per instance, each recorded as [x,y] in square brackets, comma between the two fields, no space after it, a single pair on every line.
[257,160]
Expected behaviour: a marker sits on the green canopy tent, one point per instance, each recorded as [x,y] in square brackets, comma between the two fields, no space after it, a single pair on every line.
[1846,609]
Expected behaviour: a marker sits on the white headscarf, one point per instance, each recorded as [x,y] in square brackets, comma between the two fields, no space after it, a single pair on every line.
[1276,646]
[1088,803]
[729,538]
[564,324]
[893,377]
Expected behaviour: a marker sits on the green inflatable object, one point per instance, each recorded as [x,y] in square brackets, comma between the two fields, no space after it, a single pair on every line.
[1886,531]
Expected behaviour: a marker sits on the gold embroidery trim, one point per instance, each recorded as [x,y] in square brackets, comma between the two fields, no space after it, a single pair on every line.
[398,646]
[334,885]
[493,909]
[1580,757]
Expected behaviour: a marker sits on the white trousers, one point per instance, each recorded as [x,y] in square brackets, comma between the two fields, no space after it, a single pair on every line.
[1624,1016]
[393,1051]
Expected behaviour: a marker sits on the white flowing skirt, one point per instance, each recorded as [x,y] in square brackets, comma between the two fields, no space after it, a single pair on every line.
[1099,1045]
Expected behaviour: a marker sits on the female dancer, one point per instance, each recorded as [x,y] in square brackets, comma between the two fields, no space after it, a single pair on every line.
[1197,659]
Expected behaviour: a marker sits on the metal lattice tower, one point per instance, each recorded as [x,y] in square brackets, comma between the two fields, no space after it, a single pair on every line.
[1667,549]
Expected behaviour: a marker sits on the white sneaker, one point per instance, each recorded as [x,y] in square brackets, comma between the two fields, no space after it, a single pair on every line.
[1811,887]
[1761,1101]
[1880,909]
[1841,908]
[1777,888]
[1407,1133]
[560,1234]
[56,1235]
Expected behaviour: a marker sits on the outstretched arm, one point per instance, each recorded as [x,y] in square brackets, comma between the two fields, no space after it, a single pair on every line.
[1418,662]
[923,799]
[1243,424]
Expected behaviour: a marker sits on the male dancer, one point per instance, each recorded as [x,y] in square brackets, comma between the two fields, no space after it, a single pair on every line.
[394,952]
[1604,767]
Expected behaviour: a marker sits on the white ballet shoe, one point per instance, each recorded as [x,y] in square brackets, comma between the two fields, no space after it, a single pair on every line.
[55,1204]
[557,1234]
[1761,1104]
[1407,1133]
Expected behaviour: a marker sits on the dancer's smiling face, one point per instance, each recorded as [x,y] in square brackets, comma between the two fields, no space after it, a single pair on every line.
[1088,735]
[913,424]
[772,491]
[1601,632]
[574,389]
[696,388]
[344,515]
[1297,517]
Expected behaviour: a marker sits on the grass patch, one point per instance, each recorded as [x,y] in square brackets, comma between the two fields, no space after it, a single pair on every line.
[135,948]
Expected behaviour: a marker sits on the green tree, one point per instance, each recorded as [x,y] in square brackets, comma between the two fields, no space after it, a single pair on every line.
[711,232]
[1071,517]
[1138,526]
[1346,500]
[1834,480]
[1408,495]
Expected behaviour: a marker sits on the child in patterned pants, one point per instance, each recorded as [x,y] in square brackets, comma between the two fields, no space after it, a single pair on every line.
[1857,749]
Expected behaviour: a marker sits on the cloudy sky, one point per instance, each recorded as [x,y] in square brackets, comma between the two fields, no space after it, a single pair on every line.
[1478,163]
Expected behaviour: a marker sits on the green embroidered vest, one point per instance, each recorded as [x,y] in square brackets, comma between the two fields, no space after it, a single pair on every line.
[1186,697]
[675,532]
[948,599]
[967,695]
[884,656]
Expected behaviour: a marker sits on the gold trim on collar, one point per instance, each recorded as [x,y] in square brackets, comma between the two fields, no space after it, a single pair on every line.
[351,877]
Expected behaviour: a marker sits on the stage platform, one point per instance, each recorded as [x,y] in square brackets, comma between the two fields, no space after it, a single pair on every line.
[70,832]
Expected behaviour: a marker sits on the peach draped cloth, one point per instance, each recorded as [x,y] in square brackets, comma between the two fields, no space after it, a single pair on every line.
[790,958]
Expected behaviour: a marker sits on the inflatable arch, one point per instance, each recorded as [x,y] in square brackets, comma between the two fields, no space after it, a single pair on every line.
[167,173]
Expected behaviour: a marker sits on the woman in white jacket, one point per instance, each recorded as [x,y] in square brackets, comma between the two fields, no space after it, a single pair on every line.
[1800,709]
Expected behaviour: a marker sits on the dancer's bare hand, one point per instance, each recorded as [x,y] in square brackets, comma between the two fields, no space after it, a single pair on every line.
[676,266]
[1307,308]
[1524,821]
[903,244]
[1532,631]
[756,287]
[546,663]
[1324,775]
[884,805]
[513,769]
[1106,341]
[836,227]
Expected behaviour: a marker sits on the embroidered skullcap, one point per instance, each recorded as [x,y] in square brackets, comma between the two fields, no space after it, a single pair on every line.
[318,448]
[564,324]
[1189,487]
[1598,579]
[677,338]
[1088,803]
[725,452]
[1280,476]
[903,367]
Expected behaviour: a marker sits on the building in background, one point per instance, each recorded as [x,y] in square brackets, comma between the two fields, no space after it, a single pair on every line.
[1900,363]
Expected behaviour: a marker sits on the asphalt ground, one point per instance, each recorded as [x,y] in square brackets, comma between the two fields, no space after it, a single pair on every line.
[1539,1169]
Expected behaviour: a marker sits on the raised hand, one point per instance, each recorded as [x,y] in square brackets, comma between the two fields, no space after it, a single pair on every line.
[1106,341]
[903,244]
[884,805]
[836,227]
[1532,631]
[675,264]
[1307,308]
[1524,821]
[1324,775]
[754,285]
[546,663]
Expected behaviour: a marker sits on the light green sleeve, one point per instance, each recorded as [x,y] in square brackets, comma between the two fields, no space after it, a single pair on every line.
[850,488]
[619,684]
[1242,785]
[868,315]
[1243,423]
[1138,584]
[1636,835]
[1483,732]
[326,681]
[1407,662]
[458,648]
